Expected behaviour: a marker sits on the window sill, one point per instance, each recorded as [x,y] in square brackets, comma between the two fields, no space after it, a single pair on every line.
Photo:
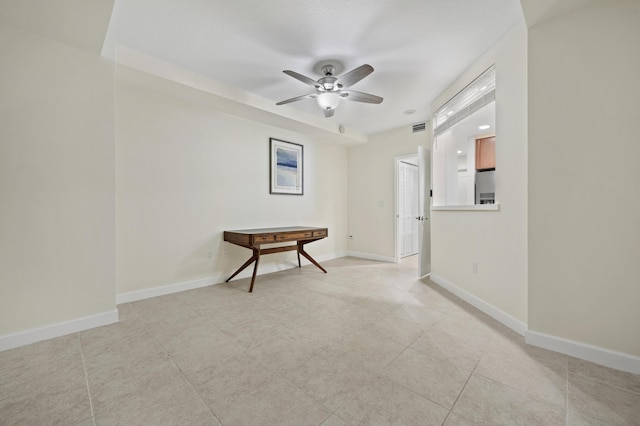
[476,207]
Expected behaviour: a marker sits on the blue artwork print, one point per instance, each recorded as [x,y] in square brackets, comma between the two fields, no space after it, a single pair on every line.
[286,158]
[286,168]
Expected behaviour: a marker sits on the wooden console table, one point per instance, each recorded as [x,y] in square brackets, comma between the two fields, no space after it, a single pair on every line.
[254,238]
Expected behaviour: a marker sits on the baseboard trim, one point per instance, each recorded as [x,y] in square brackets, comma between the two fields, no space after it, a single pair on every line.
[596,354]
[495,313]
[370,256]
[147,293]
[264,268]
[11,341]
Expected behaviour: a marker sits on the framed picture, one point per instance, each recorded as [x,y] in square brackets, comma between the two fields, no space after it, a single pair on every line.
[286,167]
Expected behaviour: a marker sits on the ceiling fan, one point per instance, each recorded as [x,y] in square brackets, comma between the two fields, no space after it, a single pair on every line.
[329,90]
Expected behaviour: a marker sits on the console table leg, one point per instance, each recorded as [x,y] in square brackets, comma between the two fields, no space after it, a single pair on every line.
[247,263]
[311,259]
[299,249]
[256,254]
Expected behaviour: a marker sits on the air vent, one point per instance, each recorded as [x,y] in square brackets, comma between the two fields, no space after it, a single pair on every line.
[421,127]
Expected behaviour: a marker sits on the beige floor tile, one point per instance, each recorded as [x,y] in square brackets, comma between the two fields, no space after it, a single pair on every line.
[118,337]
[121,352]
[484,401]
[184,334]
[514,345]
[325,333]
[394,294]
[432,299]
[473,332]
[86,422]
[393,280]
[278,402]
[320,286]
[38,353]
[57,372]
[223,384]
[418,286]
[344,280]
[320,303]
[333,421]
[249,310]
[442,345]
[44,383]
[385,402]
[417,313]
[330,379]
[347,316]
[456,420]
[368,350]
[367,300]
[593,402]
[114,380]
[172,403]
[394,328]
[545,382]
[126,312]
[214,296]
[194,355]
[280,300]
[438,380]
[161,307]
[62,406]
[287,350]
[48,363]
[604,374]
[251,333]
[296,314]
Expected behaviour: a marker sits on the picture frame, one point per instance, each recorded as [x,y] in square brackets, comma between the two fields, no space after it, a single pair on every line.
[286,167]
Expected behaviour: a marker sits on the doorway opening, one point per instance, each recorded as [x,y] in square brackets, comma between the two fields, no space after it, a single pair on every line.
[412,209]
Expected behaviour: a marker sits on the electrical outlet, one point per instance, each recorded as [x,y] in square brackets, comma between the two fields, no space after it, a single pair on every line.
[474,267]
[210,255]
[225,252]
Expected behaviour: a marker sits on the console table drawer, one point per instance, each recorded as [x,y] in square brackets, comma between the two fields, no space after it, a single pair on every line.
[294,236]
[322,233]
[258,239]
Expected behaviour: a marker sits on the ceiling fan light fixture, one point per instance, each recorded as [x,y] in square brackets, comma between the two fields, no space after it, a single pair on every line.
[328,100]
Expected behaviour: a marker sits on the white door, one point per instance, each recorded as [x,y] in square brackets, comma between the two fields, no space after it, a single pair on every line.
[424,216]
[408,208]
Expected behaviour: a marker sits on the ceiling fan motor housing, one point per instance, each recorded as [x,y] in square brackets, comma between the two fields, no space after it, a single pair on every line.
[328,70]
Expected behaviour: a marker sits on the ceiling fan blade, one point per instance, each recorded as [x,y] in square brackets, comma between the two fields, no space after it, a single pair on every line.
[328,112]
[302,78]
[352,95]
[297,98]
[354,76]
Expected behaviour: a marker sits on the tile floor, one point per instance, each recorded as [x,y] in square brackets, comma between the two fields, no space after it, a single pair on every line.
[365,344]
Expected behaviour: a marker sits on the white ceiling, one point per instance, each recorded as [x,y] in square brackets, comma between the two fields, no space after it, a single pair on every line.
[417,47]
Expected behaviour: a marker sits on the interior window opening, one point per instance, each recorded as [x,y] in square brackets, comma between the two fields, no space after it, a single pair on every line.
[464,147]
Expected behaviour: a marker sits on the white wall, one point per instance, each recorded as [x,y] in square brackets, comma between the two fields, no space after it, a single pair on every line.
[584,203]
[371,190]
[496,240]
[186,172]
[56,183]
